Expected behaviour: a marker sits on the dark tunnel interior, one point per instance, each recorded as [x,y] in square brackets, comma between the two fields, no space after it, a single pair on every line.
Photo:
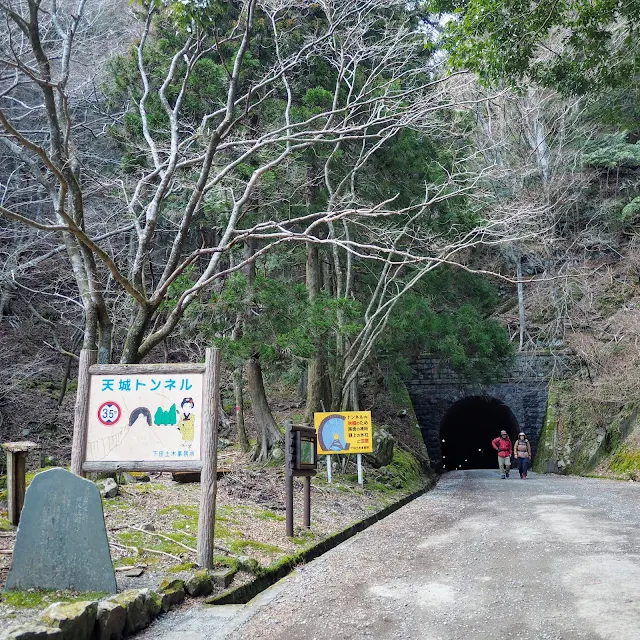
[467,429]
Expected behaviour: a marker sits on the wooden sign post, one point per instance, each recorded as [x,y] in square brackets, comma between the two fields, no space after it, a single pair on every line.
[151,417]
[301,460]
[209,452]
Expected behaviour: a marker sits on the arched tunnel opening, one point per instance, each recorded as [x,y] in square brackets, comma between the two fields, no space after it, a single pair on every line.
[467,429]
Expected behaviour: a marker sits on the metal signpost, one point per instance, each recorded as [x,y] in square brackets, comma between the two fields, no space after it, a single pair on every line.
[344,432]
[301,460]
[155,417]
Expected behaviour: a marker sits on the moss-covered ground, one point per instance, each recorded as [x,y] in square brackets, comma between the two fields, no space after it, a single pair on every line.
[153,525]
[41,599]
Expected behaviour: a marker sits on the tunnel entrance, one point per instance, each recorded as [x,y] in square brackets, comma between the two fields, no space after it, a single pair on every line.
[467,429]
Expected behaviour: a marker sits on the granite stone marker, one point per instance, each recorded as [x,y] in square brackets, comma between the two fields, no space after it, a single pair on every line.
[62,540]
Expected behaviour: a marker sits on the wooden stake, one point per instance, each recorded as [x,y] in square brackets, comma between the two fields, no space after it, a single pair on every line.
[87,358]
[209,454]
[288,425]
[16,470]
[307,502]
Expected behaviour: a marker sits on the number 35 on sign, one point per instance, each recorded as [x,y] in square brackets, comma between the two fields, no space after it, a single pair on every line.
[109,413]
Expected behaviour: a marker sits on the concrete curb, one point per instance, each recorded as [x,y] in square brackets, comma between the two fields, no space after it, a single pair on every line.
[246,592]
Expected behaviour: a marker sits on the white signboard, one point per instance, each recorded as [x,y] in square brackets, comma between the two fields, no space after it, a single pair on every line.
[142,417]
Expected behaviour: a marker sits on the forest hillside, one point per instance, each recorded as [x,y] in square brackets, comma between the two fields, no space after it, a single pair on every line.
[324,191]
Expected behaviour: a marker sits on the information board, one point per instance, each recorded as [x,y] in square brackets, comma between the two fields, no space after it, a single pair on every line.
[144,417]
[344,432]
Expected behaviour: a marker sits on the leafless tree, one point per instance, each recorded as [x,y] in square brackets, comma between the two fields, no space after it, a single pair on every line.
[140,245]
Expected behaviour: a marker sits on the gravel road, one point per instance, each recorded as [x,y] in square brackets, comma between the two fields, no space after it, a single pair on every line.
[478,557]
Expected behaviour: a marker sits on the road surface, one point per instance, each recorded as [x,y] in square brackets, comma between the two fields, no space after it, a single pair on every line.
[478,557]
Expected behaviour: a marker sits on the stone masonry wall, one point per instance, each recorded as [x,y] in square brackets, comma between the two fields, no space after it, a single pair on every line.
[434,389]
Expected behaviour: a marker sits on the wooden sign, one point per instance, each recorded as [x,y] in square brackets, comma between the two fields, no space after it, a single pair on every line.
[144,416]
[151,417]
[300,460]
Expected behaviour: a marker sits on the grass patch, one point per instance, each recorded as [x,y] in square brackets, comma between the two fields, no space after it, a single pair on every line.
[225,512]
[335,485]
[373,485]
[256,512]
[127,561]
[185,566]
[225,562]
[40,599]
[263,514]
[138,540]
[184,510]
[186,525]
[405,467]
[115,503]
[626,462]
[5,525]
[240,546]
[144,487]
[287,561]
[304,539]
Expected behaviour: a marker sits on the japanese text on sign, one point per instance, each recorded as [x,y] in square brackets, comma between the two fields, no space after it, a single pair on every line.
[144,417]
[345,432]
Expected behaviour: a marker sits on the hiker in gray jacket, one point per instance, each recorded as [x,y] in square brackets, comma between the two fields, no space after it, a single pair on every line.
[522,452]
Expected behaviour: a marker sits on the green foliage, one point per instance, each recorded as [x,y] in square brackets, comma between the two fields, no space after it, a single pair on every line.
[411,159]
[281,324]
[631,210]
[165,417]
[447,316]
[595,42]
[612,151]
[546,444]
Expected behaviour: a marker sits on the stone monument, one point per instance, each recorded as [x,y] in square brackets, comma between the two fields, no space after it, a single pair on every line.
[62,539]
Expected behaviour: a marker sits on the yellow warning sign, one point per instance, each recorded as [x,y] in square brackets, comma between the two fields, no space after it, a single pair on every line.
[345,432]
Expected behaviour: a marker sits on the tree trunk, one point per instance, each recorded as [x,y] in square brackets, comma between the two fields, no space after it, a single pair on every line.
[90,337]
[521,314]
[135,335]
[243,441]
[266,427]
[317,399]
[105,335]
[6,296]
[65,380]
[67,369]
[349,398]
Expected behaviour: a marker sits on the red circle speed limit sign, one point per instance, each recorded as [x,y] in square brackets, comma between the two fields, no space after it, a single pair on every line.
[109,413]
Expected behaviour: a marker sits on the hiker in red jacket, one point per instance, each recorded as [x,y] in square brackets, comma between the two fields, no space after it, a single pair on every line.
[503,446]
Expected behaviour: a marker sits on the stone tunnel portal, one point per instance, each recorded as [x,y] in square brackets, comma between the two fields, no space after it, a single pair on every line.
[467,429]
